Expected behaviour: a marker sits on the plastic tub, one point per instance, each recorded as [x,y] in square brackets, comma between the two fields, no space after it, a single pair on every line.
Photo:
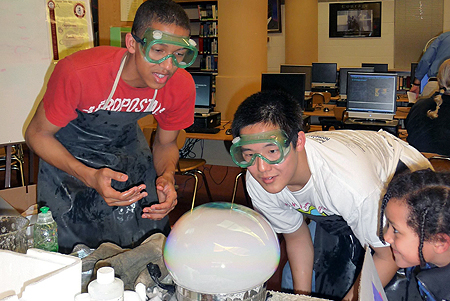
[13,233]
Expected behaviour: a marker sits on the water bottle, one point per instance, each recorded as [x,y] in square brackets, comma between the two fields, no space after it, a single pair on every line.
[45,231]
[106,287]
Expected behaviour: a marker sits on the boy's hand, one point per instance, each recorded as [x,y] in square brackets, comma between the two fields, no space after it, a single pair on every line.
[167,197]
[101,182]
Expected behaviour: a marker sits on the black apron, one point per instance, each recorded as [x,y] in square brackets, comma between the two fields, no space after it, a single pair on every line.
[338,256]
[101,139]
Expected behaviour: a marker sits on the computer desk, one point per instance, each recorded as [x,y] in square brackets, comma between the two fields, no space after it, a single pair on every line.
[401,113]
[221,135]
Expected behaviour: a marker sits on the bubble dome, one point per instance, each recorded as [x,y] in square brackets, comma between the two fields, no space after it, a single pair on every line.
[221,248]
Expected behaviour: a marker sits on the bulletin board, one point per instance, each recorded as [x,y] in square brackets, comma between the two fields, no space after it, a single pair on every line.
[25,62]
[26,58]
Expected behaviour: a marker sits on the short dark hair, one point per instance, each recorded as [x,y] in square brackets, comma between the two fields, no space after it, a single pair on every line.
[162,11]
[426,194]
[270,107]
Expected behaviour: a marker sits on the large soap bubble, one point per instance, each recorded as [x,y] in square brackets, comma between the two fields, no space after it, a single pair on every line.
[221,248]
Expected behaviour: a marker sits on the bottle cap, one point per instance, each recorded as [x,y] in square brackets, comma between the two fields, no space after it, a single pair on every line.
[45,216]
[105,275]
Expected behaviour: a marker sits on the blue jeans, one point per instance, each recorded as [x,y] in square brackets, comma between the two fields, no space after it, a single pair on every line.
[287,285]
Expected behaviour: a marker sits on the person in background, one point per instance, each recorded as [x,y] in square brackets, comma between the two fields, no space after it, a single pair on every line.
[429,64]
[335,178]
[96,172]
[428,122]
[417,211]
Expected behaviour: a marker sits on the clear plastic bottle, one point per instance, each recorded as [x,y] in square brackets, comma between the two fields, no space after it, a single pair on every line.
[45,231]
[106,287]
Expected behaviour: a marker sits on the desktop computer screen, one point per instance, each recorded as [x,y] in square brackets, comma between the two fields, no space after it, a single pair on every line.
[299,69]
[380,68]
[324,74]
[204,90]
[371,95]
[291,83]
[343,72]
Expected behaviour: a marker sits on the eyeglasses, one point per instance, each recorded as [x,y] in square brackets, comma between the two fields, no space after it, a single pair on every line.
[154,46]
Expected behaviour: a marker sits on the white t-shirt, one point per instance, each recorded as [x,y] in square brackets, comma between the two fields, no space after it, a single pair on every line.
[349,174]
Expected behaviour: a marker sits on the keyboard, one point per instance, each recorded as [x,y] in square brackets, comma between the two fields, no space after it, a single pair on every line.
[202,130]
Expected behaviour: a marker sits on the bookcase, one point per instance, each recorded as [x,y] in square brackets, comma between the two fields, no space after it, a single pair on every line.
[204,31]
[403,80]
[203,16]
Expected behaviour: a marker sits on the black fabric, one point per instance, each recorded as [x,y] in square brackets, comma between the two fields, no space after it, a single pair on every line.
[403,286]
[429,135]
[101,139]
[435,281]
[338,257]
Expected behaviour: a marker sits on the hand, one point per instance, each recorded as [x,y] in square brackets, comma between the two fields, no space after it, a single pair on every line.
[167,196]
[101,182]
[415,89]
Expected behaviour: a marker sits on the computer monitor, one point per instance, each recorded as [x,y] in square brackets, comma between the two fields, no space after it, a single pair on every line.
[291,83]
[204,91]
[307,69]
[380,68]
[343,72]
[371,95]
[324,75]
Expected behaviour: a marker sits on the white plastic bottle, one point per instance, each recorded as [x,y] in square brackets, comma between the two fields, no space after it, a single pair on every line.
[106,287]
[82,297]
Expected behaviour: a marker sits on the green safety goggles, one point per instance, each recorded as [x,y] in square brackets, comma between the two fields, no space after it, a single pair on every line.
[154,47]
[271,147]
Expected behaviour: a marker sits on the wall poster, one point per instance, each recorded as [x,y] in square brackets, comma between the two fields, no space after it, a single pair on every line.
[355,19]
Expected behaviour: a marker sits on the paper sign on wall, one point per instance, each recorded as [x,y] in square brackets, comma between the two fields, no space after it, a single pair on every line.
[70,26]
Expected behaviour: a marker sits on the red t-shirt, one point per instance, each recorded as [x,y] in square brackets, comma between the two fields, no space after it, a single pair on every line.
[84,81]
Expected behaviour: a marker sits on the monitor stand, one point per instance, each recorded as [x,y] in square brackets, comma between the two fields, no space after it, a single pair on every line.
[333,90]
[201,111]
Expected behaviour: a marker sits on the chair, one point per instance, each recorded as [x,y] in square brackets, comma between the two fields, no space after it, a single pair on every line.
[337,122]
[188,166]
[17,160]
[439,162]
[319,98]
[185,166]
[241,176]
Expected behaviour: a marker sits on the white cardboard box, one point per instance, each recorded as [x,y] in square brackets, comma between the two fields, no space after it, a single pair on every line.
[39,276]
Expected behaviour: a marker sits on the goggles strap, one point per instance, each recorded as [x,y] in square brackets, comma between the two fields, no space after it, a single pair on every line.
[139,40]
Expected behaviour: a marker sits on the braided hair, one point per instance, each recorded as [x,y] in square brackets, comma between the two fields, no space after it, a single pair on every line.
[427,195]
[443,78]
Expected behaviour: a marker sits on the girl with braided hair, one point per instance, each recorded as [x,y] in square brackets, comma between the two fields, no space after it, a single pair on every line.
[428,122]
[416,207]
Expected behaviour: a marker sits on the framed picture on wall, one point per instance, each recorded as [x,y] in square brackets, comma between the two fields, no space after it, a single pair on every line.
[355,19]
[274,16]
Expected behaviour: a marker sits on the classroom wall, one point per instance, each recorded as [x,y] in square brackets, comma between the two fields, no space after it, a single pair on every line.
[348,52]
[276,46]
[446,15]
[351,52]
